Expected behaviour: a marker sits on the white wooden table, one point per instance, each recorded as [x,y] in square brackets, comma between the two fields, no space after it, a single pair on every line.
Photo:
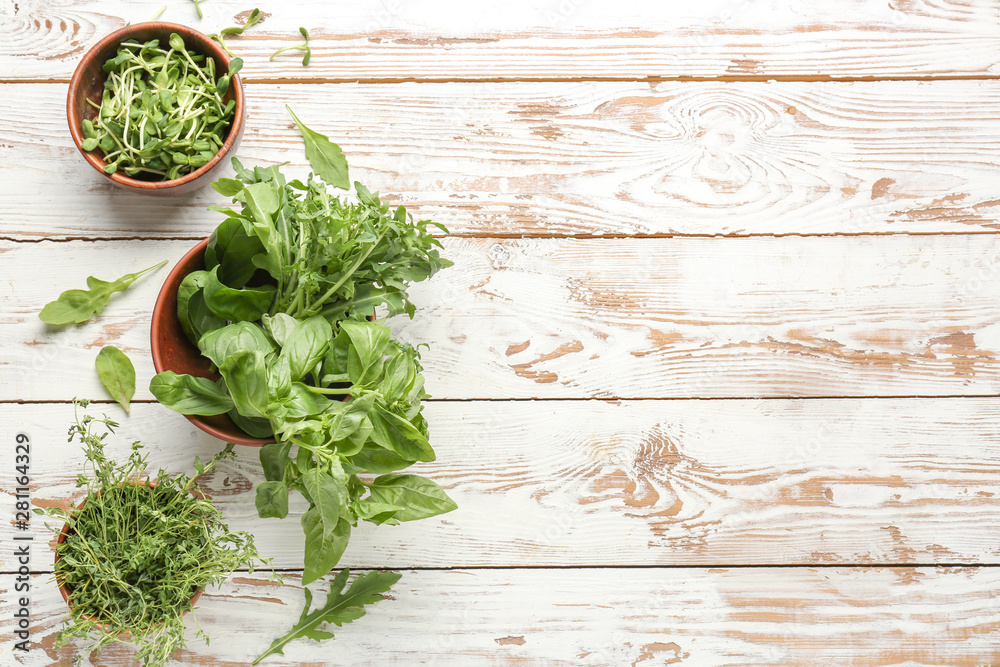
[714,371]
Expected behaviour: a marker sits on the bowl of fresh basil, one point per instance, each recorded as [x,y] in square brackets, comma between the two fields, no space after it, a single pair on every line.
[155,107]
[173,350]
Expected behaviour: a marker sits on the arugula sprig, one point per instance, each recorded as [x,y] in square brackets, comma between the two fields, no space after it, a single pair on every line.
[76,306]
[341,607]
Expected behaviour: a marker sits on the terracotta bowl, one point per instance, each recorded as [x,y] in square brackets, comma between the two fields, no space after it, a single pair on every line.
[88,83]
[61,539]
[172,351]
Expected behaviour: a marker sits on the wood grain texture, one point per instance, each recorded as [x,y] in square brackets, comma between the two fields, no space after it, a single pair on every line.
[611,318]
[591,483]
[393,39]
[571,159]
[641,617]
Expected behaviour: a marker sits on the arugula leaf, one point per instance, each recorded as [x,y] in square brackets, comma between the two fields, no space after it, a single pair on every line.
[190,395]
[76,305]
[117,374]
[325,157]
[340,608]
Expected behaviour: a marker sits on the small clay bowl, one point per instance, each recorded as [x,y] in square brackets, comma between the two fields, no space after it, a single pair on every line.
[64,533]
[172,351]
[88,84]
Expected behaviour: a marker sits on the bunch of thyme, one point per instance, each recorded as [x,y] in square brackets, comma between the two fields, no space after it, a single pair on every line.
[162,113]
[139,550]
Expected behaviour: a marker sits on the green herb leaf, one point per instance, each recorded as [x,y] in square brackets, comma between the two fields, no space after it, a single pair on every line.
[272,499]
[192,311]
[76,306]
[323,549]
[219,344]
[190,395]
[236,305]
[306,345]
[117,374]
[340,608]
[325,157]
[403,498]
[246,378]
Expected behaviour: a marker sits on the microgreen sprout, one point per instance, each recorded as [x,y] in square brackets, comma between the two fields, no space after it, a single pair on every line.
[297,47]
[163,112]
[254,18]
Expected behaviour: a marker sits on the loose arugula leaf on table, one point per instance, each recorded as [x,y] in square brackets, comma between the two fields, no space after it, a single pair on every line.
[325,157]
[341,607]
[117,374]
[76,305]
[297,47]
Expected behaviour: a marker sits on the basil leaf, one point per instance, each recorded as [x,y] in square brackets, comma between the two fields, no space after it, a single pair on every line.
[322,551]
[401,436]
[246,379]
[301,402]
[192,312]
[324,494]
[252,426]
[306,345]
[77,305]
[236,304]
[325,157]
[117,374]
[190,395]
[280,326]
[378,460]
[232,249]
[369,342]
[272,500]
[407,497]
[274,460]
[219,344]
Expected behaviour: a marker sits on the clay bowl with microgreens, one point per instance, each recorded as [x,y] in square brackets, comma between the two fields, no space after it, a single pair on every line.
[156,107]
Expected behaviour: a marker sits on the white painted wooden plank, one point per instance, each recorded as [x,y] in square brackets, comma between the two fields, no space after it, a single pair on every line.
[590,483]
[604,318]
[428,39]
[571,159]
[641,617]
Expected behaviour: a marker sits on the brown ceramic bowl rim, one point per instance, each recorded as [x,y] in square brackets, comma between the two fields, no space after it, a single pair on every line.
[174,277]
[64,533]
[208,48]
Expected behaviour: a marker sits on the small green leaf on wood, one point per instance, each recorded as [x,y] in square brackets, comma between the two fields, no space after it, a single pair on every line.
[325,157]
[341,607]
[117,374]
[76,305]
